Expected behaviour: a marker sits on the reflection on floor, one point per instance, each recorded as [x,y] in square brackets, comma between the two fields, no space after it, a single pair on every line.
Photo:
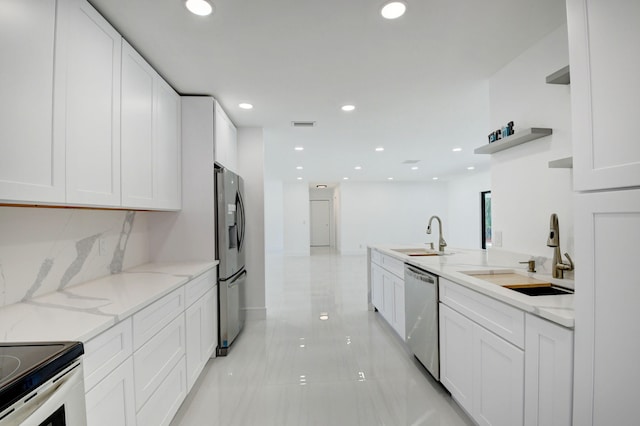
[297,369]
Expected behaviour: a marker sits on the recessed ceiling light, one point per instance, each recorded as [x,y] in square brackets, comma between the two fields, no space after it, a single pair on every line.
[435,178]
[393,10]
[324,316]
[379,149]
[348,107]
[299,148]
[299,178]
[298,167]
[414,168]
[358,167]
[199,7]
[390,178]
[456,149]
[345,178]
[470,168]
[245,105]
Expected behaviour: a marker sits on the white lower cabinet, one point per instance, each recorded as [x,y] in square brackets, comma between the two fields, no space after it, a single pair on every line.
[548,373]
[202,329]
[387,290]
[498,380]
[456,356]
[377,295]
[398,318]
[111,402]
[166,400]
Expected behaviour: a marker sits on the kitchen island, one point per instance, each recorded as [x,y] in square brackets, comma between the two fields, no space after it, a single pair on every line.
[505,357]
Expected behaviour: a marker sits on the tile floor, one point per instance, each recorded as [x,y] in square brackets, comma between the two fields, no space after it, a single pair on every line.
[295,369]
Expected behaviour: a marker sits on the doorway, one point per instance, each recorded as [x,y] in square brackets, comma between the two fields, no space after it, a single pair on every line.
[320,216]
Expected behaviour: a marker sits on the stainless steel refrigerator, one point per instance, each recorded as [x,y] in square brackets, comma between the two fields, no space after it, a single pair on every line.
[230,248]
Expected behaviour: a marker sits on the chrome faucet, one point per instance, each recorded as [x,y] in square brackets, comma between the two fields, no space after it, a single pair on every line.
[441,242]
[558,266]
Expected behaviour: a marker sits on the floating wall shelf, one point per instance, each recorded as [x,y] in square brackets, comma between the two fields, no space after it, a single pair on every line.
[561,76]
[517,138]
[562,163]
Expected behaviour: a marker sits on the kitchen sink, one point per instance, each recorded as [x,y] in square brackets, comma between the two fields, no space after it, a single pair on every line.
[508,278]
[418,252]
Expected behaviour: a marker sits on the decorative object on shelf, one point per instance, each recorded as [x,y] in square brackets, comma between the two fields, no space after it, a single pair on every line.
[501,133]
[518,138]
[562,76]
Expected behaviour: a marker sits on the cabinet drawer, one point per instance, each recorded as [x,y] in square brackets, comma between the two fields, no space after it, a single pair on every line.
[393,265]
[156,358]
[166,400]
[198,286]
[105,352]
[154,317]
[500,318]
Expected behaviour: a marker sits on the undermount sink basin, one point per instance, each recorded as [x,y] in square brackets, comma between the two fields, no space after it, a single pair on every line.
[507,278]
[418,252]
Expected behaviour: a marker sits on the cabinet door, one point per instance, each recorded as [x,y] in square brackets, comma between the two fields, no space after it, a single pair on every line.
[111,401]
[377,292]
[166,161]
[200,335]
[137,129]
[548,373]
[607,348]
[225,140]
[604,98]
[31,160]
[456,357]
[398,307]
[387,296]
[87,103]
[498,380]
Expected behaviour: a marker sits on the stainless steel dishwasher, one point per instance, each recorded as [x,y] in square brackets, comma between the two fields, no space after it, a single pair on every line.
[421,317]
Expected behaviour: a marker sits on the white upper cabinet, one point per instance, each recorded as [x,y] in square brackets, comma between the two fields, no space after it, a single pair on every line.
[150,136]
[226,137]
[604,92]
[87,103]
[31,161]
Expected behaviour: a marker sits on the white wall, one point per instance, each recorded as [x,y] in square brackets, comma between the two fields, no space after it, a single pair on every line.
[296,219]
[273,216]
[251,168]
[389,212]
[46,249]
[524,190]
[464,210]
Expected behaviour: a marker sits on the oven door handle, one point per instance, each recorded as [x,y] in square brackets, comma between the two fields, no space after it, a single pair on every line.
[59,393]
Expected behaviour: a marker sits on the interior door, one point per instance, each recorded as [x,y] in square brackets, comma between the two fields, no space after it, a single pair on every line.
[320,229]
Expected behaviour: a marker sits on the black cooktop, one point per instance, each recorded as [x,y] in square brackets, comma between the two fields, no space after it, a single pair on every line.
[25,366]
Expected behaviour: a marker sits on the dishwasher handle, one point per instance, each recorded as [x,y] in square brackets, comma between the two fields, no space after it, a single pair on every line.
[420,275]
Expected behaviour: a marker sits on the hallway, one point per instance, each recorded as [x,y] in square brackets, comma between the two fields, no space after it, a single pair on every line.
[298,368]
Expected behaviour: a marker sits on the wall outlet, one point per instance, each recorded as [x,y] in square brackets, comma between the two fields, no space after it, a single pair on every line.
[497,238]
[102,246]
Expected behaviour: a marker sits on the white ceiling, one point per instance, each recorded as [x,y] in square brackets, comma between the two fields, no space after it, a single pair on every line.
[419,83]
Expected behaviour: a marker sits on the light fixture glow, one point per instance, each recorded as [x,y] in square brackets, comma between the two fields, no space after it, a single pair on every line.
[348,107]
[390,178]
[324,316]
[299,178]
[299,148]
[470,168]
[379,149]
[435,178]
[358,168]
[321,186]
[199,7]
[393,10]
[298,167]
[345,178]
[245,105]
[456,149]
[414,168]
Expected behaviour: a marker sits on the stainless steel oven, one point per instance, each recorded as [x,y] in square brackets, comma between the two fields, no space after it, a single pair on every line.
[42,384]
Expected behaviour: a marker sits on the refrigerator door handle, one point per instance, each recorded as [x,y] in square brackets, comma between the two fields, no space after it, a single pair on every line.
[235,281]
[241,220]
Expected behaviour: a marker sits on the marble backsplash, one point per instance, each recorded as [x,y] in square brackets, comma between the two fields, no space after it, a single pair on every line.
[47,249]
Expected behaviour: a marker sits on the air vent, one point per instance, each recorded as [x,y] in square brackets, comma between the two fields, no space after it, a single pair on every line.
[410,161]
[303,123]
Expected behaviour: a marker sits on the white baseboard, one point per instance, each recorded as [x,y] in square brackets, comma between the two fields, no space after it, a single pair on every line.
[255,314]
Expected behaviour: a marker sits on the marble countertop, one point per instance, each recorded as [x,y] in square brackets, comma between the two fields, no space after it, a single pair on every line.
[83,311]
[556,308]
